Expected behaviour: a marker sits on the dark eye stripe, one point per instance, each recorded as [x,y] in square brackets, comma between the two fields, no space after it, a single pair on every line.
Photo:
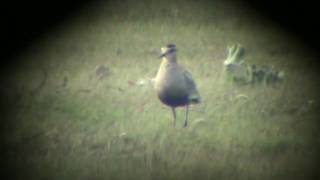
[172,50]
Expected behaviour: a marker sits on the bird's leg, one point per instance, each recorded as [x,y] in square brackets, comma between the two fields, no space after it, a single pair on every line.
[174,116]
[186,121]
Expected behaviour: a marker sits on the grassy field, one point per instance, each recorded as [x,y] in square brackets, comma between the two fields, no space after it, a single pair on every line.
[62,121]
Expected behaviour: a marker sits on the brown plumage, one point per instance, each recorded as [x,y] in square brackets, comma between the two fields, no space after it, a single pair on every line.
[174,85]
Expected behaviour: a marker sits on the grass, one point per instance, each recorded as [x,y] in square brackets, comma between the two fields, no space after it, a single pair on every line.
[115,129]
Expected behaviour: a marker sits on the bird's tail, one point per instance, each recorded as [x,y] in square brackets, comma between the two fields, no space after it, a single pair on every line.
[195,99]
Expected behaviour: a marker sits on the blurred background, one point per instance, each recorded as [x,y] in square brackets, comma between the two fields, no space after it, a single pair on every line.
[77,102]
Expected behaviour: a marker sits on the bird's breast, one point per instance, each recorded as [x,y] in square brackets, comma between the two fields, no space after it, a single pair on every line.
[171,87]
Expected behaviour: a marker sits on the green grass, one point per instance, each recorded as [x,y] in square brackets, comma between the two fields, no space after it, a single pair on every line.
[120,130]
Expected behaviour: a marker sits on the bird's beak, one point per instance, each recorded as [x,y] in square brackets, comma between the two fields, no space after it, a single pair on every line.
[162,54]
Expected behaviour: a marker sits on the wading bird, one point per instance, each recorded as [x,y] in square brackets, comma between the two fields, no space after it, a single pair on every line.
[174,85]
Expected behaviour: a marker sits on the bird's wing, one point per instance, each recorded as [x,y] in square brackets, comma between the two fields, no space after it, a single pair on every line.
[194,96]
[189,80]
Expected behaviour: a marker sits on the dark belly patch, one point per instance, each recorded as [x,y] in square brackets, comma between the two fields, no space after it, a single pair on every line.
[174,101]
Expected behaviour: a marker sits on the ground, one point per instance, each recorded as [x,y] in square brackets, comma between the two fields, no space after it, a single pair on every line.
[77,106]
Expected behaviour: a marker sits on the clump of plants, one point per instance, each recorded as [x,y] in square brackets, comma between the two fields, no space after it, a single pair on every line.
[242,73]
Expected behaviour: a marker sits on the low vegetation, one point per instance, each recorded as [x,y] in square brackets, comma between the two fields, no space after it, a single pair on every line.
[79,104]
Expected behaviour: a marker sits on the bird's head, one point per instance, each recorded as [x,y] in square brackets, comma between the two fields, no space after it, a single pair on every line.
[169,52]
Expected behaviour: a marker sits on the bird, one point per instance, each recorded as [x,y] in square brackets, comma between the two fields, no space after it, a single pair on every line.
[174,85]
